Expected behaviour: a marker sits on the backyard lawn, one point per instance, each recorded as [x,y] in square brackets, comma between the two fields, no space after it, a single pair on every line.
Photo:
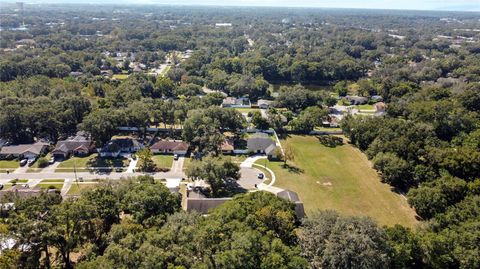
[163,161]
[339,178]
[83,163]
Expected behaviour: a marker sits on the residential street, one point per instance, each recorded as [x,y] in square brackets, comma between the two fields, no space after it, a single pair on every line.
[4,178]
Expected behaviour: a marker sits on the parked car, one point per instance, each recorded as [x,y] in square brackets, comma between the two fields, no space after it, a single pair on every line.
[51,161]
[175,157]
[23,162]
[30,162]
[261,176]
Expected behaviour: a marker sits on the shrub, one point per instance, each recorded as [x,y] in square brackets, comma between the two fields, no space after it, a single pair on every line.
[330,141]
[42,162]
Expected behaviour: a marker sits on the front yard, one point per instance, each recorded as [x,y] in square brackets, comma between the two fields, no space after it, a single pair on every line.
[163,161]
[8,165]
[339,178]
[84,164]
[46,186]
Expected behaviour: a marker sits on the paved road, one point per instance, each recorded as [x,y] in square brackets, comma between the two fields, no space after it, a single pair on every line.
[4,178]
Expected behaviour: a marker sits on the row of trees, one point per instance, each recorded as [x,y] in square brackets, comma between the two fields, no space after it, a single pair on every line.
[136,223]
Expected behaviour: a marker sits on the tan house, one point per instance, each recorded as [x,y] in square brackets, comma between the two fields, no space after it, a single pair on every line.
[170,147]
[28,151]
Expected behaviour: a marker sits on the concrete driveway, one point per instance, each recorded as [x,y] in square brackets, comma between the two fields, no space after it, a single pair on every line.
[249,177]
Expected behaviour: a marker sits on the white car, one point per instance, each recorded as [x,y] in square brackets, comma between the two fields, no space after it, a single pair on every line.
[31,161]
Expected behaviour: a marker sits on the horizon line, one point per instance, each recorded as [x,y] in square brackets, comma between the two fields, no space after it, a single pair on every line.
[241,6]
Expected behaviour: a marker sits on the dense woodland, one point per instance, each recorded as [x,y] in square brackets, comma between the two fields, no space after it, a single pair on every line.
[425,65]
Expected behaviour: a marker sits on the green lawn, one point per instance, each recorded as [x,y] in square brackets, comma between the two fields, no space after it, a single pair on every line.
[7,186]
[246,110]
[46,186]
[328,129]
[76,189]
[52,180]
[82,163]
[339,178]
[19,181]
[186,162]
[365,107]
[120,76]
[163,161]
[9,165]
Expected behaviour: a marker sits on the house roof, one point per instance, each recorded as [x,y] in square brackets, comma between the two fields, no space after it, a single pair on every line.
[21,192]
[264,102]
[119,143]
[259,141]
[227,145]
[171,145]
[35,148]
[203,205]
[67,146]
[289,195]
[270,149]
[380,106]
[357,99]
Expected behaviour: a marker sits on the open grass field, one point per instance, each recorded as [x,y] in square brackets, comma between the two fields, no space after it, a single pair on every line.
[82,163]
[76,189]
[339,178]
[163,161]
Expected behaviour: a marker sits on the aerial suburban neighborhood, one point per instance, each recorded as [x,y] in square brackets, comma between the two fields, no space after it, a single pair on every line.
[163,136]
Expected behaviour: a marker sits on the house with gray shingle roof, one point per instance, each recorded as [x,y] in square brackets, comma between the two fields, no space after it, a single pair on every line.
[263,144]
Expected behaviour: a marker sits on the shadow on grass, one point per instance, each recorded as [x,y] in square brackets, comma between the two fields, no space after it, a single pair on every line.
[292,169]
[283,135]
[104,162]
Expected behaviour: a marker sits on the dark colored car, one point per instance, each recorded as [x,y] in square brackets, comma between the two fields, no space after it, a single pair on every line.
[23,162]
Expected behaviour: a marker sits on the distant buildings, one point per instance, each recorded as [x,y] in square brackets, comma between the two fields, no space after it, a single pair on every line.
[223,24]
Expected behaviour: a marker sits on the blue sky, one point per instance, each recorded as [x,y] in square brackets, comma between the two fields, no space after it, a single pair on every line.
[464,5]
